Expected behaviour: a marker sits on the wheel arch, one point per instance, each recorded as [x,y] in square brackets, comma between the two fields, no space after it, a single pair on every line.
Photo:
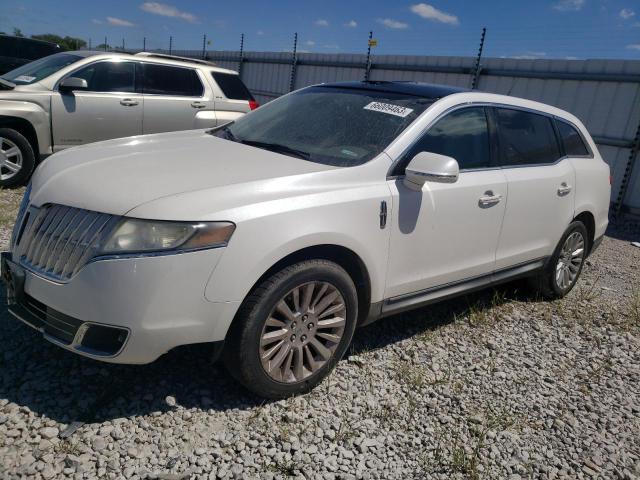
[25,128]
[339,254]
[589,221]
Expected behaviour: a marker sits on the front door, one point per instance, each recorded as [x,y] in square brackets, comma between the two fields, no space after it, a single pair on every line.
[448,233]
[108,108]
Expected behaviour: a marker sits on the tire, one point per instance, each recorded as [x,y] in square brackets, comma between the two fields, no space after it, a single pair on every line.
[251,353]
[24,159]
[549,283]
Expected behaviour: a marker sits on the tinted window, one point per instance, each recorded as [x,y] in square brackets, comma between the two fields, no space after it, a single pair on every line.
[330,125]
[526,138]
[571,140]
[109,76]
[166,80]
[232,86]
[8,46]
[463,135]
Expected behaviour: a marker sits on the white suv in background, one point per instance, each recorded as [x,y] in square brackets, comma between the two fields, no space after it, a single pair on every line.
[73,98]
[275,236]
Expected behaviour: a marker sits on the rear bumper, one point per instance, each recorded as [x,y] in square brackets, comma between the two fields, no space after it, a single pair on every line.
[128,310]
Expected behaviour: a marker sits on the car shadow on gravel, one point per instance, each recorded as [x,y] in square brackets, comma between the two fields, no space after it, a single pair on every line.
[66,387]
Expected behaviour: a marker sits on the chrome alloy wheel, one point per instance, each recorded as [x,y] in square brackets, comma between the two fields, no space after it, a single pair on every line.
[10,159]
[570,260]
[302,332]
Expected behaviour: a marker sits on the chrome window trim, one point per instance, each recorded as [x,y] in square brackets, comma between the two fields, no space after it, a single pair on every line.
[460,106]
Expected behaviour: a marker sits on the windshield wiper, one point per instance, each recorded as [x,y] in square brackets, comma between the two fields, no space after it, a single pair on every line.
[278,148]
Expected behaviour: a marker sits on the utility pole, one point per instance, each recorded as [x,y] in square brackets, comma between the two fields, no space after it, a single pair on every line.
[204,46]
[144,44]
[294,63]
[241,59]
[476,71]
[170,44]
[105,44]
[367,71]
[122,43]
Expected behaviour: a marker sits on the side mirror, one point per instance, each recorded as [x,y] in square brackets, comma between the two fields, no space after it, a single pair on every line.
[73,83]
[430,167]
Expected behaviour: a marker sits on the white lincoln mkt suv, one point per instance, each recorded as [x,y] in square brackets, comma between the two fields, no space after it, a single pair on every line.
[273,237]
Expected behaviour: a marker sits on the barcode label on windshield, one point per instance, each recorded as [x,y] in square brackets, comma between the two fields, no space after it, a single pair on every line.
[389,108]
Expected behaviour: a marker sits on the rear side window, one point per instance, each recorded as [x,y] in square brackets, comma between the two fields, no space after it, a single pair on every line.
[526,138]
[109,76]
[571,140]
[168,80]
[463,135]
[232,86]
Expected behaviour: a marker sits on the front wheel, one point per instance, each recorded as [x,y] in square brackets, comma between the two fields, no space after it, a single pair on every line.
[292,329]
[565,265]
[17,159]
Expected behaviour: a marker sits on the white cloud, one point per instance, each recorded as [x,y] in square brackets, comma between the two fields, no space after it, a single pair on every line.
[260,33]
[569,5]
[626,13]
[634,46]
[393,24]
[96,21]
[351,24]
[321,22]
[332,46]
[167,11]
[310,43]
[118,22]
[530,55]
[431,13]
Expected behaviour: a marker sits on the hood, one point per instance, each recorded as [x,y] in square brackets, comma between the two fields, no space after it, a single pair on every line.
[117,175]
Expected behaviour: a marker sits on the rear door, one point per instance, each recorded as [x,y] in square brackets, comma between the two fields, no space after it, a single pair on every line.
[233,98]
[541,185]
[175,99]
[109,108]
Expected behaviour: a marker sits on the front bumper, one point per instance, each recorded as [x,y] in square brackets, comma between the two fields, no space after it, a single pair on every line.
[126,310]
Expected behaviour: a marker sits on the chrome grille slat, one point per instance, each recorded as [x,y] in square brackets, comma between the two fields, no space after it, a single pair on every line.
[60,239]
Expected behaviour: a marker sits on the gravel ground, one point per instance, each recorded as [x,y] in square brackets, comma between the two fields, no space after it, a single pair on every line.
[494,385]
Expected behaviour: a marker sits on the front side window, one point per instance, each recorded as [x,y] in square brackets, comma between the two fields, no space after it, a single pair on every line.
[571,140]
[462,134]
[330,125]
[109,76]
[168,80]
[526,138]
[38,70]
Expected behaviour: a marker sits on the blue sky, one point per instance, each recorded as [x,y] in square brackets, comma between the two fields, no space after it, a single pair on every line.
[516,28]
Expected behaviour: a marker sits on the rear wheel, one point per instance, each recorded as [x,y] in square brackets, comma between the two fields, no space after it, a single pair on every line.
[17,159]
[292,329]
[565,265]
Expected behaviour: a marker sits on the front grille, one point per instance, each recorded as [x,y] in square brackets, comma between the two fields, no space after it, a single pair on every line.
[56,241]
[55,324]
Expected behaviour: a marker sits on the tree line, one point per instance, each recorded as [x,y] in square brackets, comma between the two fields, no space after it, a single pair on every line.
[68,43]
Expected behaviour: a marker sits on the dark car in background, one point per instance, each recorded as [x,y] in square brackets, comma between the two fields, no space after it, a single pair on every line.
[16,51]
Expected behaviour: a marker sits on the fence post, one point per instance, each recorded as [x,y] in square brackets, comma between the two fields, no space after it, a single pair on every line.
[204,46]
[367,70]
[144,44]
[294,63]
[122,43]
[105,44]
[626,176]
[476,71]
[241,58]
[170,44]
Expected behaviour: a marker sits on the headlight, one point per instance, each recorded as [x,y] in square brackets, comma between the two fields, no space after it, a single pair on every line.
[139,236]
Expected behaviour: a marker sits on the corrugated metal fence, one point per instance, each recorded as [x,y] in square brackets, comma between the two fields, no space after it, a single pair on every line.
[604,94]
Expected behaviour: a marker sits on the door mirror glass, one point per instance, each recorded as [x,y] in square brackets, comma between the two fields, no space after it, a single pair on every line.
[73,83]
[430,167]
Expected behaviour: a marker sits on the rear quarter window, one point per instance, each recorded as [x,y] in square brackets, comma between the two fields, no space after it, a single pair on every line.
[571,140]
[232,86]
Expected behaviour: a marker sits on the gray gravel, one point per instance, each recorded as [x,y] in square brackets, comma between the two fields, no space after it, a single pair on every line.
[494,385]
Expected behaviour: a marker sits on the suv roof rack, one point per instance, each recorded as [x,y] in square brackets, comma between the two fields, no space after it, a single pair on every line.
[175,57]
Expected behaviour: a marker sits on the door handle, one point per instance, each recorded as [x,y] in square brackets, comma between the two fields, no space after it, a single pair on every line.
[489,199]
[127,102]
[564,189]
[198,105]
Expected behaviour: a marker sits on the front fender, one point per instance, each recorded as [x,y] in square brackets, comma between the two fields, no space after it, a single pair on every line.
[33,113]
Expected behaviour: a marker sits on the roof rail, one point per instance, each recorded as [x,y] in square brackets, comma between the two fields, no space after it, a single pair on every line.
[175,57]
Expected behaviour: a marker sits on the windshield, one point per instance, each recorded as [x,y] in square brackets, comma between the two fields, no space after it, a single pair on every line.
[35,71]
[335,126]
